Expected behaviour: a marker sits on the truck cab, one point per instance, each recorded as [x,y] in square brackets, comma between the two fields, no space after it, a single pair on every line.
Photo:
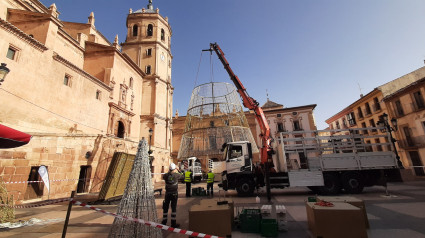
[238,156]
[240,173]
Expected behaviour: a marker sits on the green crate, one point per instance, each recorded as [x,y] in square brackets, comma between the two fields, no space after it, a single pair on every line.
[269,227]
[199,191]
[312,199]
[250,221]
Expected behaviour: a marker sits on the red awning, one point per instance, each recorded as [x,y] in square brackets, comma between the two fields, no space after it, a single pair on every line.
[11,138]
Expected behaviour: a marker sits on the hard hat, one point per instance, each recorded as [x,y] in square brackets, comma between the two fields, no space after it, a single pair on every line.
[172,166]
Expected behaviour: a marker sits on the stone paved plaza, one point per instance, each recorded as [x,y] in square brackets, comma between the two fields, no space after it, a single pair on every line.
[401,215]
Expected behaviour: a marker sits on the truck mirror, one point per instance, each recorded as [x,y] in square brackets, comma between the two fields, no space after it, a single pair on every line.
[223,147]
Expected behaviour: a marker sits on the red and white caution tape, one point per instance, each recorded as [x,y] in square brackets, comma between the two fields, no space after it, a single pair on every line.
[147,223]
[57,180]
[141,221]
[49,202]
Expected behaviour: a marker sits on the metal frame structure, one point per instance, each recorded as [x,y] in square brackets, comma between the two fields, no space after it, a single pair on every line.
[215,116]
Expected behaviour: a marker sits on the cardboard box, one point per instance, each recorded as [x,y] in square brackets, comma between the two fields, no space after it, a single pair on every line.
[214,202]
[341,220]
[211,219]
[351,200]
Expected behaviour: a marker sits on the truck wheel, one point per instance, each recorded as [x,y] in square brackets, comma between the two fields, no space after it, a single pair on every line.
[352,182]
[245,187]
[332,185]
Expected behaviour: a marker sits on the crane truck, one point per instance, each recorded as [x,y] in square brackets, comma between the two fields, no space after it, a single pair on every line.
[326,161]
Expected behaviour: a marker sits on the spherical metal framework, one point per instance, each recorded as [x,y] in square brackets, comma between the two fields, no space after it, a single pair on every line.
[214,117]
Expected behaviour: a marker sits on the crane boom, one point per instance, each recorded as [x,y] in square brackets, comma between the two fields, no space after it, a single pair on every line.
[266,150]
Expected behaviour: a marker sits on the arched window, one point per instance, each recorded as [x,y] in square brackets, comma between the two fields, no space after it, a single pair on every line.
[121,130]
[150,30]
[162,34]
[135,30]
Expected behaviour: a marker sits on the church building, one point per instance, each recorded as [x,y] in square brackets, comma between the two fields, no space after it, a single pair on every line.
[86,101]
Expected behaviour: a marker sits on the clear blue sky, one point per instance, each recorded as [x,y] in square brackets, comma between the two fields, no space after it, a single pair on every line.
[302,52]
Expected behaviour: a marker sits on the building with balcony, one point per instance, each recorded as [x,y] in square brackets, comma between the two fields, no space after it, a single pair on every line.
[401,99]
[407,105]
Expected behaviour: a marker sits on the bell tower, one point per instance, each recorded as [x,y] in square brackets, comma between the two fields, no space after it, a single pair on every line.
[148,44]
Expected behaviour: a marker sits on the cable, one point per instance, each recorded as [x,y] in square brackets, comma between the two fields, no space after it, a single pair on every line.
[49,110]
[199,66]
[211,70]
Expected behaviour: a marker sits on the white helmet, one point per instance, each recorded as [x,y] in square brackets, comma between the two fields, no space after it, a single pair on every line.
[172,166]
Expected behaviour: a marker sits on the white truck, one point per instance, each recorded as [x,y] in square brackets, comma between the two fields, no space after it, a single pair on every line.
[193,164]
[324,161]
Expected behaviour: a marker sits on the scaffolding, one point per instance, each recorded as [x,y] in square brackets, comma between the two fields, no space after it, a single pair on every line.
[214,117]
[138,200]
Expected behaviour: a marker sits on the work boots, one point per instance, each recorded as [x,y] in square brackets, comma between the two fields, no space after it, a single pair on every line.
[175,225]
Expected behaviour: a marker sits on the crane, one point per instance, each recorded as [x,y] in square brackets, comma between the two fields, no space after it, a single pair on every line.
[266,149]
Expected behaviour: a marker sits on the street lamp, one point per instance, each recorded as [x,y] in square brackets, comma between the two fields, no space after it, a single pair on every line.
[389,129]
[150,141]
[3,72]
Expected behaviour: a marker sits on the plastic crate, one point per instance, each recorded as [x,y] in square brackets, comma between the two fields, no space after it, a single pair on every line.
[199,191]
[250,221]
[269,227]
[195,191]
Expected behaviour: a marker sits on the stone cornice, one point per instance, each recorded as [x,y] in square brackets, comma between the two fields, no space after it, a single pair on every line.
[40,5]
[39,16]
[154,116]
[80,71]
[113,105]
[159,117]
[156,78]
[14,30]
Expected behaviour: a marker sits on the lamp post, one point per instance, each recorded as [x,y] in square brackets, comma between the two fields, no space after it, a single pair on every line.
[150,141]
[389,129]
[3,72]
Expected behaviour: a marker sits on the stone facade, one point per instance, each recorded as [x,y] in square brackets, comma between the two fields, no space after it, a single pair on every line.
[286,119]
[80,95]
